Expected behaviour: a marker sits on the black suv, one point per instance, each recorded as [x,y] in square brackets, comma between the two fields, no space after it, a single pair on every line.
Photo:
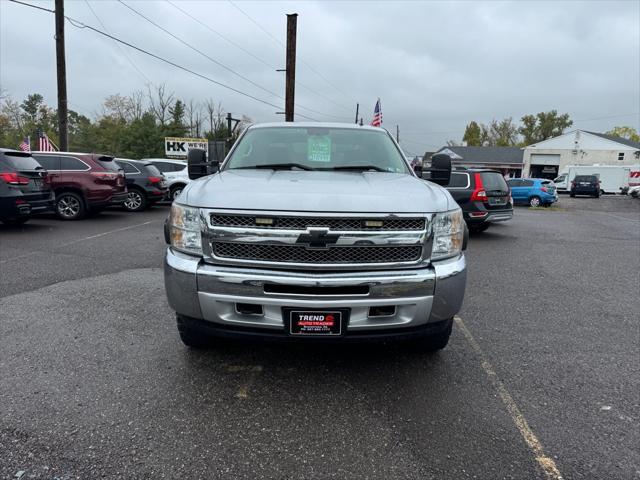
[483,195]
[585,185]
[145,184]
[25,188]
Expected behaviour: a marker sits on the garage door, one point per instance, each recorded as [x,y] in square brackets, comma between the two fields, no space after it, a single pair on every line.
[545,159]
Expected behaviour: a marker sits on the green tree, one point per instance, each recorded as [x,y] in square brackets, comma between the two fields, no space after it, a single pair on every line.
[629,133]
[473,135]
[544,125]
[503,133]
[176,126]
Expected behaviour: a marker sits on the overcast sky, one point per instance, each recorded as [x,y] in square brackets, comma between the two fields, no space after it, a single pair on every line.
[435,65]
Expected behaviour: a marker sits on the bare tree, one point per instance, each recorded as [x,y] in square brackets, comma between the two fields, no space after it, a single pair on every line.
[215,115]
[159,102]
[136,105]
[13,112]
[195,118]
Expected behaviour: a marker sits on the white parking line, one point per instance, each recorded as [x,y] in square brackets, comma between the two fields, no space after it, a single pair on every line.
[91,237]
[546,463]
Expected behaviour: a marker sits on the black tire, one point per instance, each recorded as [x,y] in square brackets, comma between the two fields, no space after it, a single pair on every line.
[189,336]
[535,201]
[70,206]
[434,342]
[597,195]
[479,228]
[15,221]
[175,191]
[572,195]
[136,201]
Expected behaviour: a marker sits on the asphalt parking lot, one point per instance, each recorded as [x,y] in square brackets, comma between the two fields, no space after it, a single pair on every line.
[540,380]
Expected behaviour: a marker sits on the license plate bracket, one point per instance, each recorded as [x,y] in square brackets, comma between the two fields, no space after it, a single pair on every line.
[330,322]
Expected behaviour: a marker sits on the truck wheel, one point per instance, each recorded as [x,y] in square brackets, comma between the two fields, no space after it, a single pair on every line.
[189,336]
[70,206]
[435,342]
[479,228]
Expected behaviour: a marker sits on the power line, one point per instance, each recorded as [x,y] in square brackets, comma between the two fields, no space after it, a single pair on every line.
[124,52]
[282,45]
[256,58]
[220,64]
[79,24]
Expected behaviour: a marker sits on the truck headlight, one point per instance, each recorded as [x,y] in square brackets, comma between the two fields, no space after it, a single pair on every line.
[184,229]
[448,234]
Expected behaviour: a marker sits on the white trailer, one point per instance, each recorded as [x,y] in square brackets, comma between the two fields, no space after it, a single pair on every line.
[612,177]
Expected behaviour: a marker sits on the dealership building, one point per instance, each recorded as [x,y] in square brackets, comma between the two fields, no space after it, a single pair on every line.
[550,157]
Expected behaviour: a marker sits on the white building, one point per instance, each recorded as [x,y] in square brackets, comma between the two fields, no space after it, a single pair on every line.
[550,157]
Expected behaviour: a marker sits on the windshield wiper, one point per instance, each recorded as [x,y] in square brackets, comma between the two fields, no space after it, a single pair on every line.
[278,166]
[360,168]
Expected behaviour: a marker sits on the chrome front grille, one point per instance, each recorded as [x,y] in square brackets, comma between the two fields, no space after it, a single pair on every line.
[332,255]
[316,242]
[333,223]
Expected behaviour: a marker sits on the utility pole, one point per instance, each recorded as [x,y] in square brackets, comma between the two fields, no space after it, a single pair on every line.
[62,76]
[357,110]
[290,86]
[398,133]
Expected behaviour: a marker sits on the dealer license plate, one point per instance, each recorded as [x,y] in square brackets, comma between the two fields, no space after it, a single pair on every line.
[315,322]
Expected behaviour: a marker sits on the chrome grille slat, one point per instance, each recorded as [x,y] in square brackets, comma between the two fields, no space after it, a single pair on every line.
[333,223]
[302,255]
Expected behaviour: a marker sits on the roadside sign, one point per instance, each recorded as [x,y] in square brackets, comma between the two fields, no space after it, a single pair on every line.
[178,147]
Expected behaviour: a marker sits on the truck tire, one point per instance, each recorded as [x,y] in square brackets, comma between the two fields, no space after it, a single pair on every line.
[434,342]
[189,336]
[479,228]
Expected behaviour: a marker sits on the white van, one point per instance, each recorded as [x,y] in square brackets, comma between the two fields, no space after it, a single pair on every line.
[612,177]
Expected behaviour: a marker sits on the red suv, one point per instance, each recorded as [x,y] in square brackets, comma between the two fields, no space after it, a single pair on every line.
[83,182]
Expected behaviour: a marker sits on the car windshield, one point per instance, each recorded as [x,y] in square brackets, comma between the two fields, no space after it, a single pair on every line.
[586,178]
[317,148]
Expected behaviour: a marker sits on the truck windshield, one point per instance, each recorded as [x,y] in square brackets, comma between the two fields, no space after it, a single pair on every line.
[317,148]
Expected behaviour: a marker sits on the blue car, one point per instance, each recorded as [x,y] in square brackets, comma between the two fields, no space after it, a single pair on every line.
[534,192]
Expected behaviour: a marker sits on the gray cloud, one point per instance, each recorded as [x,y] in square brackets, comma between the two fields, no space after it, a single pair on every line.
[435,65]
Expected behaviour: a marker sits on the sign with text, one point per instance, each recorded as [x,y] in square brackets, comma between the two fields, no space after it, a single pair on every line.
[178,147]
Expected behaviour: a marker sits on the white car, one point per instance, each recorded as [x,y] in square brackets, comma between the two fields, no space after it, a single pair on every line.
[175,172]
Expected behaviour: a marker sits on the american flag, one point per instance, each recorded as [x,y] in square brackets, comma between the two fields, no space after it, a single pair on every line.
[25,145]
[45,144]
[377,115]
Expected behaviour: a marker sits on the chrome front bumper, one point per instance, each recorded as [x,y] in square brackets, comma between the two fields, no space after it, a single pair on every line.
[211,292]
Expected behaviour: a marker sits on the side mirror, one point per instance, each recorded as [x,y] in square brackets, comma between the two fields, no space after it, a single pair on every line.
[440,169]
[197,165]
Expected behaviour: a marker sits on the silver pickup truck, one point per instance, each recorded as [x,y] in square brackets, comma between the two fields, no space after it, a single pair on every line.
[315,231]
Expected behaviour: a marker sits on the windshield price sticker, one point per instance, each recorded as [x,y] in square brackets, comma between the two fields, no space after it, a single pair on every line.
[319,148]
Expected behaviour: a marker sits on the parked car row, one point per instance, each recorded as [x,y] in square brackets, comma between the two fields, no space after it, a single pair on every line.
[73,185]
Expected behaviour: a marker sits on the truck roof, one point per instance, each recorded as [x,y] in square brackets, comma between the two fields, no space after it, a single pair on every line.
[353,126]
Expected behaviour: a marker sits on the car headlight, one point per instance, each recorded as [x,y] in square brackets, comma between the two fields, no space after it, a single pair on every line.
[448,234]
[184,229]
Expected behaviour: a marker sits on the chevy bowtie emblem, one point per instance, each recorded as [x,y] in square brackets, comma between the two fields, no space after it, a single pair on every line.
[317,238]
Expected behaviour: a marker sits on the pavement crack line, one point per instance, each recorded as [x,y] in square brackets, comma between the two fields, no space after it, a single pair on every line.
[545,462]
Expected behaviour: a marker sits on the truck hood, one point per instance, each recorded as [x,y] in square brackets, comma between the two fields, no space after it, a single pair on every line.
[317,191]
